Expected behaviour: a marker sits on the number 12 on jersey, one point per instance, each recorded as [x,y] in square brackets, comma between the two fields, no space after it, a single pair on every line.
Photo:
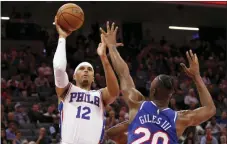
[147,135]
[83,112]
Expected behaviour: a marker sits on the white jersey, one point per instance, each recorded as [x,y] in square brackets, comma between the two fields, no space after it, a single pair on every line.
[82,116]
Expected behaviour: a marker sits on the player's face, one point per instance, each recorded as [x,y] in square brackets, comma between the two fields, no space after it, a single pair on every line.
[3,133]
[208,130]
[112,114]
[224,115]
[85,74]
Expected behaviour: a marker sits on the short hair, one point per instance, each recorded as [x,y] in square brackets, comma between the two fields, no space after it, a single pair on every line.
[166,82]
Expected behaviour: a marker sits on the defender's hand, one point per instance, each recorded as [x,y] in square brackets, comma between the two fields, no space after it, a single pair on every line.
[101,50]
[110,36]
[193,70]
[62,33]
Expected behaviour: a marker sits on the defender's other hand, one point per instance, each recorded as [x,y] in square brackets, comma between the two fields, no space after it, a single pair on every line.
[193,70]
[110,36]
[101,50]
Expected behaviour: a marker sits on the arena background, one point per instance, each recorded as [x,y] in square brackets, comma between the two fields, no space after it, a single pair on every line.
[29,40]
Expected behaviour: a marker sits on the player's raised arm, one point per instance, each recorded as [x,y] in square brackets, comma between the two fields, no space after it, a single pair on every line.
[60,62]
[207,110]
[126,83]
[118,129]
[111,91]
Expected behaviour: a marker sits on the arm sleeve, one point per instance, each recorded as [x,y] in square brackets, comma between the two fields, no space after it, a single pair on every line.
[59,63]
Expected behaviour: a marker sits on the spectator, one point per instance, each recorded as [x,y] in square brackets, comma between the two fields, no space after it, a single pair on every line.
[13,83]
[11,131]
[8,105]
[55,111]
[98,80]
[161,65]
[3,116]
[108,109]
[208,138]
[35,115]
[111,120]
[211,75]
[215,128]
[11,116]
[223,138]
[50,112]
[20,115]
[33,90]
[178,90]
[4,140]
[173,104]
[141,77]
[190,98]
[41,80]
[25,85]
[223,120]
[192,106]
[46,70]
[220,105]
[199,133]
[43,86]
[18,139]
[43,139]
[206,79]
[122,115]
[54,129]
[49,115]
[190,138]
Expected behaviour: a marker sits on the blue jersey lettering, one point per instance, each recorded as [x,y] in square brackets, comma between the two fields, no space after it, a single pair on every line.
[152,126]
[83,97]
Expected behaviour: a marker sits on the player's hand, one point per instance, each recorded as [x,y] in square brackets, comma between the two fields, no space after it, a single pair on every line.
[62,33]
[110,35]
[40,137]
[193,70]
[101,50]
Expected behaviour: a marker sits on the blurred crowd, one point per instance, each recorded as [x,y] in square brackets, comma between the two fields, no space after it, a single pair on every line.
[29,105]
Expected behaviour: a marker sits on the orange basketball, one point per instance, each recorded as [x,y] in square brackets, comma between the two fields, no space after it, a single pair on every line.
[70,17]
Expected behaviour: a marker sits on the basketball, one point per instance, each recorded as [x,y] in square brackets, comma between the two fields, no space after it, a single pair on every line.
[70,17]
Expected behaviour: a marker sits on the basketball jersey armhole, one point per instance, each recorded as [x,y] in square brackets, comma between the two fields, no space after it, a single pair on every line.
[175,117]
[140,108]
[101,97]
[66,92]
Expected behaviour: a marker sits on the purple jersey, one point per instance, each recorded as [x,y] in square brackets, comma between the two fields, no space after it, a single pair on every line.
[153,126]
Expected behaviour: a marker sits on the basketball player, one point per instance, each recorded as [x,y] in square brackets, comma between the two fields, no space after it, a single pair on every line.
[152,121]
[82,109]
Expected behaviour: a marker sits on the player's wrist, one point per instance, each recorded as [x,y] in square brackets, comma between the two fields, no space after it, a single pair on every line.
[61,39]
[104,60]
[62,36]
[112,45]
[197,77]
[103,56]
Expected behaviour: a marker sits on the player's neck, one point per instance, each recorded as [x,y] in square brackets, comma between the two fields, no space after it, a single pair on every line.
[161,104]
[85,87]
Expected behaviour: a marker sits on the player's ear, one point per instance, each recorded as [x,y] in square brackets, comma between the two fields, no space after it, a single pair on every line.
[74,77]
[153,92]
